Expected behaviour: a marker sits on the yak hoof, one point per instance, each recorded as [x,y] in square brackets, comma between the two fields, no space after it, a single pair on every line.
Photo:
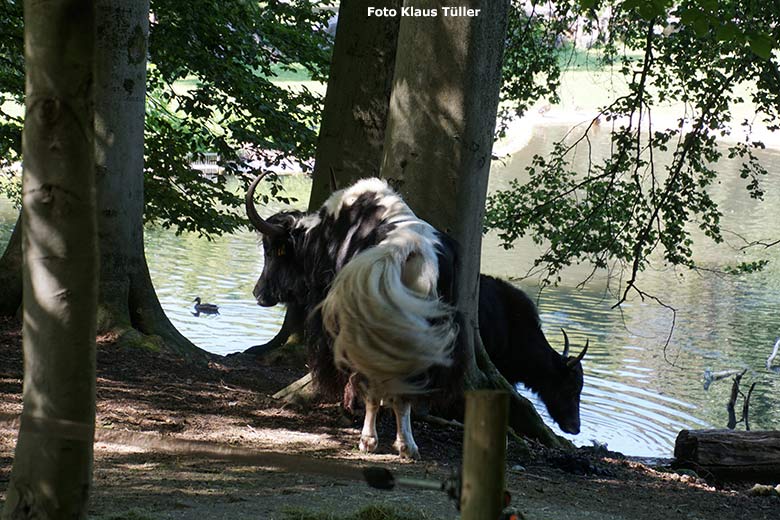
[407,451]
[368,444]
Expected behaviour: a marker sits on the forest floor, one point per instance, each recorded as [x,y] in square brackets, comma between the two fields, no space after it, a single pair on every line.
[229,403]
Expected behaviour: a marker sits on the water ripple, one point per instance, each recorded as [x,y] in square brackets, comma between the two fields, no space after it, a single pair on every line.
[639,391]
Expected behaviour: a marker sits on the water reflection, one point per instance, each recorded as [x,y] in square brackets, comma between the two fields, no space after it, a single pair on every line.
[639,391]
[222,272]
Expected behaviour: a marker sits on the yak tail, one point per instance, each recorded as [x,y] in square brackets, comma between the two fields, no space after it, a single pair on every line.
[386,319]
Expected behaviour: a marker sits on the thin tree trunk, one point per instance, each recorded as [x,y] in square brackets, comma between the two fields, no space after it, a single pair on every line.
[128,303]
[438,146]
[11,273]
[352,133]
[51,477]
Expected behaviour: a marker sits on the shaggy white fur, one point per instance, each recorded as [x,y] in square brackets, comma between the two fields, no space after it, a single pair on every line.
[383,309]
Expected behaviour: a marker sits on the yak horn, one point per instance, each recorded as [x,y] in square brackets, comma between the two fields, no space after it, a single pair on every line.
[573,361]
[582,354]
[334,186]
[565,343]
[257,221]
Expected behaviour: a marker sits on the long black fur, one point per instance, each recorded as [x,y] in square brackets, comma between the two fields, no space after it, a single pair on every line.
[301,264]
[512,334]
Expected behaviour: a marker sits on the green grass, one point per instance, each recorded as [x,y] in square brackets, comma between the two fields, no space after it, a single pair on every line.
[294,72]
[579,59]
[295,186]
[299,188]
[570,58]
[374,512]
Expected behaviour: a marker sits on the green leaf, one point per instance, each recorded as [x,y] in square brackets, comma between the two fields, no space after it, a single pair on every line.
[700,25]
[691,17]
[708,5]
[761,45]
[646,9]
[747,267]
[726,32]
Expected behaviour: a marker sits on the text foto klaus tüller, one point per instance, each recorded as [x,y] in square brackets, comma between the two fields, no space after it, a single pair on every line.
[389,12]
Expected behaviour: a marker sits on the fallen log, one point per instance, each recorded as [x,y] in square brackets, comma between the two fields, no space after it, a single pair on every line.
[728,455]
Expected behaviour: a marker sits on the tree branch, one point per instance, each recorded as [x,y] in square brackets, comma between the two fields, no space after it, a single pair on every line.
[675,171]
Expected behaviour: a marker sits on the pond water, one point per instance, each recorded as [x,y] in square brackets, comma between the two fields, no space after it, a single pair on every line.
[638,392]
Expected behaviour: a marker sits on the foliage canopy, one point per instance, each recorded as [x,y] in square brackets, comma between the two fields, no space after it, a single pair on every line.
[211,88]
[696,54]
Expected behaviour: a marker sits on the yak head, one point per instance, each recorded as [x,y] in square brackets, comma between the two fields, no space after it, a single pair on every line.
[563,395]
[282,279]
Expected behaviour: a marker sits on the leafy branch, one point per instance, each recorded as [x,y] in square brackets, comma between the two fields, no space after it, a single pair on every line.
[618,211]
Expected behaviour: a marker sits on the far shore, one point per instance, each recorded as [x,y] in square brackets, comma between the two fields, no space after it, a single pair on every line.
[520,130]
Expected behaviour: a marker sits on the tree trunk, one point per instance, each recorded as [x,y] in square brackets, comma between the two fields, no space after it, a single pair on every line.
[291,332]
[128,304]
[437,152]
[51,476]
[352,133]
[11,273]
[730,455]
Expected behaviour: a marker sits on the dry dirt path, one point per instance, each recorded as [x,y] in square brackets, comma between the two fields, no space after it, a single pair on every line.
[230,405]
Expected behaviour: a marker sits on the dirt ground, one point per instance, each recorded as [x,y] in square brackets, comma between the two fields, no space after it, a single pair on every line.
[229,403]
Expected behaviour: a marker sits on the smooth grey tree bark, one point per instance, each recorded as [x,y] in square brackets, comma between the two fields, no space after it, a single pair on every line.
[354,117]
[437,153]
[128,304]
[52,475]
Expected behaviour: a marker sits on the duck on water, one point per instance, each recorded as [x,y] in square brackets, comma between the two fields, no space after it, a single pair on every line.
[205,308]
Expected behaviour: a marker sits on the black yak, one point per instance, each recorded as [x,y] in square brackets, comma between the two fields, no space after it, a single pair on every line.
[512,335]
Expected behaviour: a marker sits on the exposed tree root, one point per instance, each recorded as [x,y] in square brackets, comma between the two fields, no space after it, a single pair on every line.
[523,417]
[291,332]
[524,421]
[139,320]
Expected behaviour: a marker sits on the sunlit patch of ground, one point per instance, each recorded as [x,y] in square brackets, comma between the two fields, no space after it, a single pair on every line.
[146,394]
